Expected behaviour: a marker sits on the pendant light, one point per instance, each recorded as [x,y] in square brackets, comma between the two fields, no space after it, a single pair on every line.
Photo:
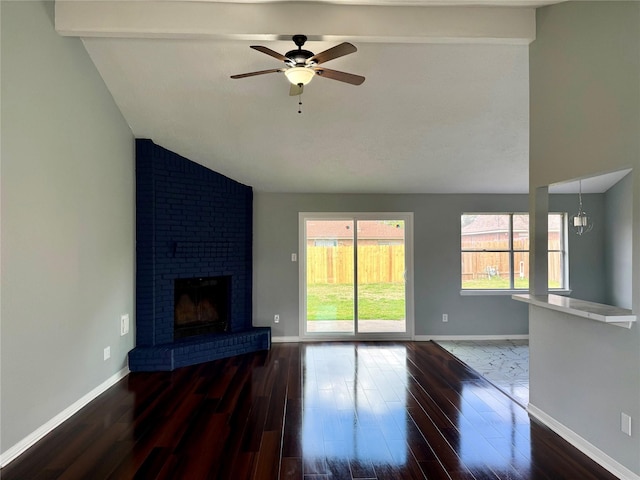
[581,221]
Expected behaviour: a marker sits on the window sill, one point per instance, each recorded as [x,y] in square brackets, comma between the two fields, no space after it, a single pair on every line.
[487,292]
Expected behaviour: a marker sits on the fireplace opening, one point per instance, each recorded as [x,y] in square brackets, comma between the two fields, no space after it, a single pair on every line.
[201,306]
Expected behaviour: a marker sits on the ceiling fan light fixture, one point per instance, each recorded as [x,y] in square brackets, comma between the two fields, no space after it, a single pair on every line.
[299,75]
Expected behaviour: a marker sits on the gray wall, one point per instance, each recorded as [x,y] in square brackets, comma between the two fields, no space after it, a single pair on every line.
[587,253]
[436,259]
[618,228]
[585,119]
[67,223]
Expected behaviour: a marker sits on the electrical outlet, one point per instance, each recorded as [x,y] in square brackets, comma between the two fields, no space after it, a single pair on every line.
[445,317]
[276,318]
[625,423]
[124,324]
[107,353]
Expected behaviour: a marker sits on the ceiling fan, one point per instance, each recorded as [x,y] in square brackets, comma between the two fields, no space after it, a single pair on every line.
[302,65]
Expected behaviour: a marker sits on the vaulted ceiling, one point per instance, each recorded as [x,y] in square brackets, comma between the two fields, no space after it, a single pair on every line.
[444,108]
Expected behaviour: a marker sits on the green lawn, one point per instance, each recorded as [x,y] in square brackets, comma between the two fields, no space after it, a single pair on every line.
[335,302]
[379,301]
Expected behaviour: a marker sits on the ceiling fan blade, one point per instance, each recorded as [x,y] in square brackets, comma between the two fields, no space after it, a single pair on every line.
[334,52]
[268,51]
[295,90]
[261,72]
[340,76]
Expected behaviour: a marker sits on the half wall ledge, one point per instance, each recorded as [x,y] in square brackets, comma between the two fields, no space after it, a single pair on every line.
[620,317]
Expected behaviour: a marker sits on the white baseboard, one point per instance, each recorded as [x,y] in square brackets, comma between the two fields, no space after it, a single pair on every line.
[583,445]
[27,442]
[426,338]
[417,338]
[285,339]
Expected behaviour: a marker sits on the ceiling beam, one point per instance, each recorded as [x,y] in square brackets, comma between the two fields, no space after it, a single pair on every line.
[278,21]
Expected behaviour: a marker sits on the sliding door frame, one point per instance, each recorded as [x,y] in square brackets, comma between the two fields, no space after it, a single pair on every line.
[407,217]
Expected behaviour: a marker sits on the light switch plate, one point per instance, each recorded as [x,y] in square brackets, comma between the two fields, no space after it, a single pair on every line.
[124,324]
[625,423]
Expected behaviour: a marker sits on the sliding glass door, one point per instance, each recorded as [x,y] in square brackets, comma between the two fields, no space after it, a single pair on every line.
[329,280]
[355,275]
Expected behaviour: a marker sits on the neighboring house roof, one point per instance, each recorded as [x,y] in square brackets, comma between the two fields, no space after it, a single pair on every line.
[498,223]
[344,229]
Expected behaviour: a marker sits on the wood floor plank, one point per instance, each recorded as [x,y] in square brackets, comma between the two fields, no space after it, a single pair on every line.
[291,468]
[292,439]
[345,411]
[268,463]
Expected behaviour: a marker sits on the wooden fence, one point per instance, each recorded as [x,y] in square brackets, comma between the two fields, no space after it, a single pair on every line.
[480,264]
[385,263]
[377,264]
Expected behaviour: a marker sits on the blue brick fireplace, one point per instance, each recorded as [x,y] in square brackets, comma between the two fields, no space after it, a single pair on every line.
[191,223]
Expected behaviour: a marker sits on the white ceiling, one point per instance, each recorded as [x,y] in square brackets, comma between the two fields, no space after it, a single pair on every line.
[444,108]
[596,184]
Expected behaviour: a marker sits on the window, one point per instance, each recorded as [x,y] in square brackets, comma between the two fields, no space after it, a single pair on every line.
[557,251]
[495,251]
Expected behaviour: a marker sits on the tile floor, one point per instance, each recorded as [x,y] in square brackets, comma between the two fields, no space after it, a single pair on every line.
[505,363]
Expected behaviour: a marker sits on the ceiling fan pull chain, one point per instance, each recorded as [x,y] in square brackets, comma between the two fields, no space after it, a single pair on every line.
[300,103]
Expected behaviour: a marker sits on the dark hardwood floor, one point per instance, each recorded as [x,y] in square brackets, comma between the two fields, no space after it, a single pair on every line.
[307,411]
